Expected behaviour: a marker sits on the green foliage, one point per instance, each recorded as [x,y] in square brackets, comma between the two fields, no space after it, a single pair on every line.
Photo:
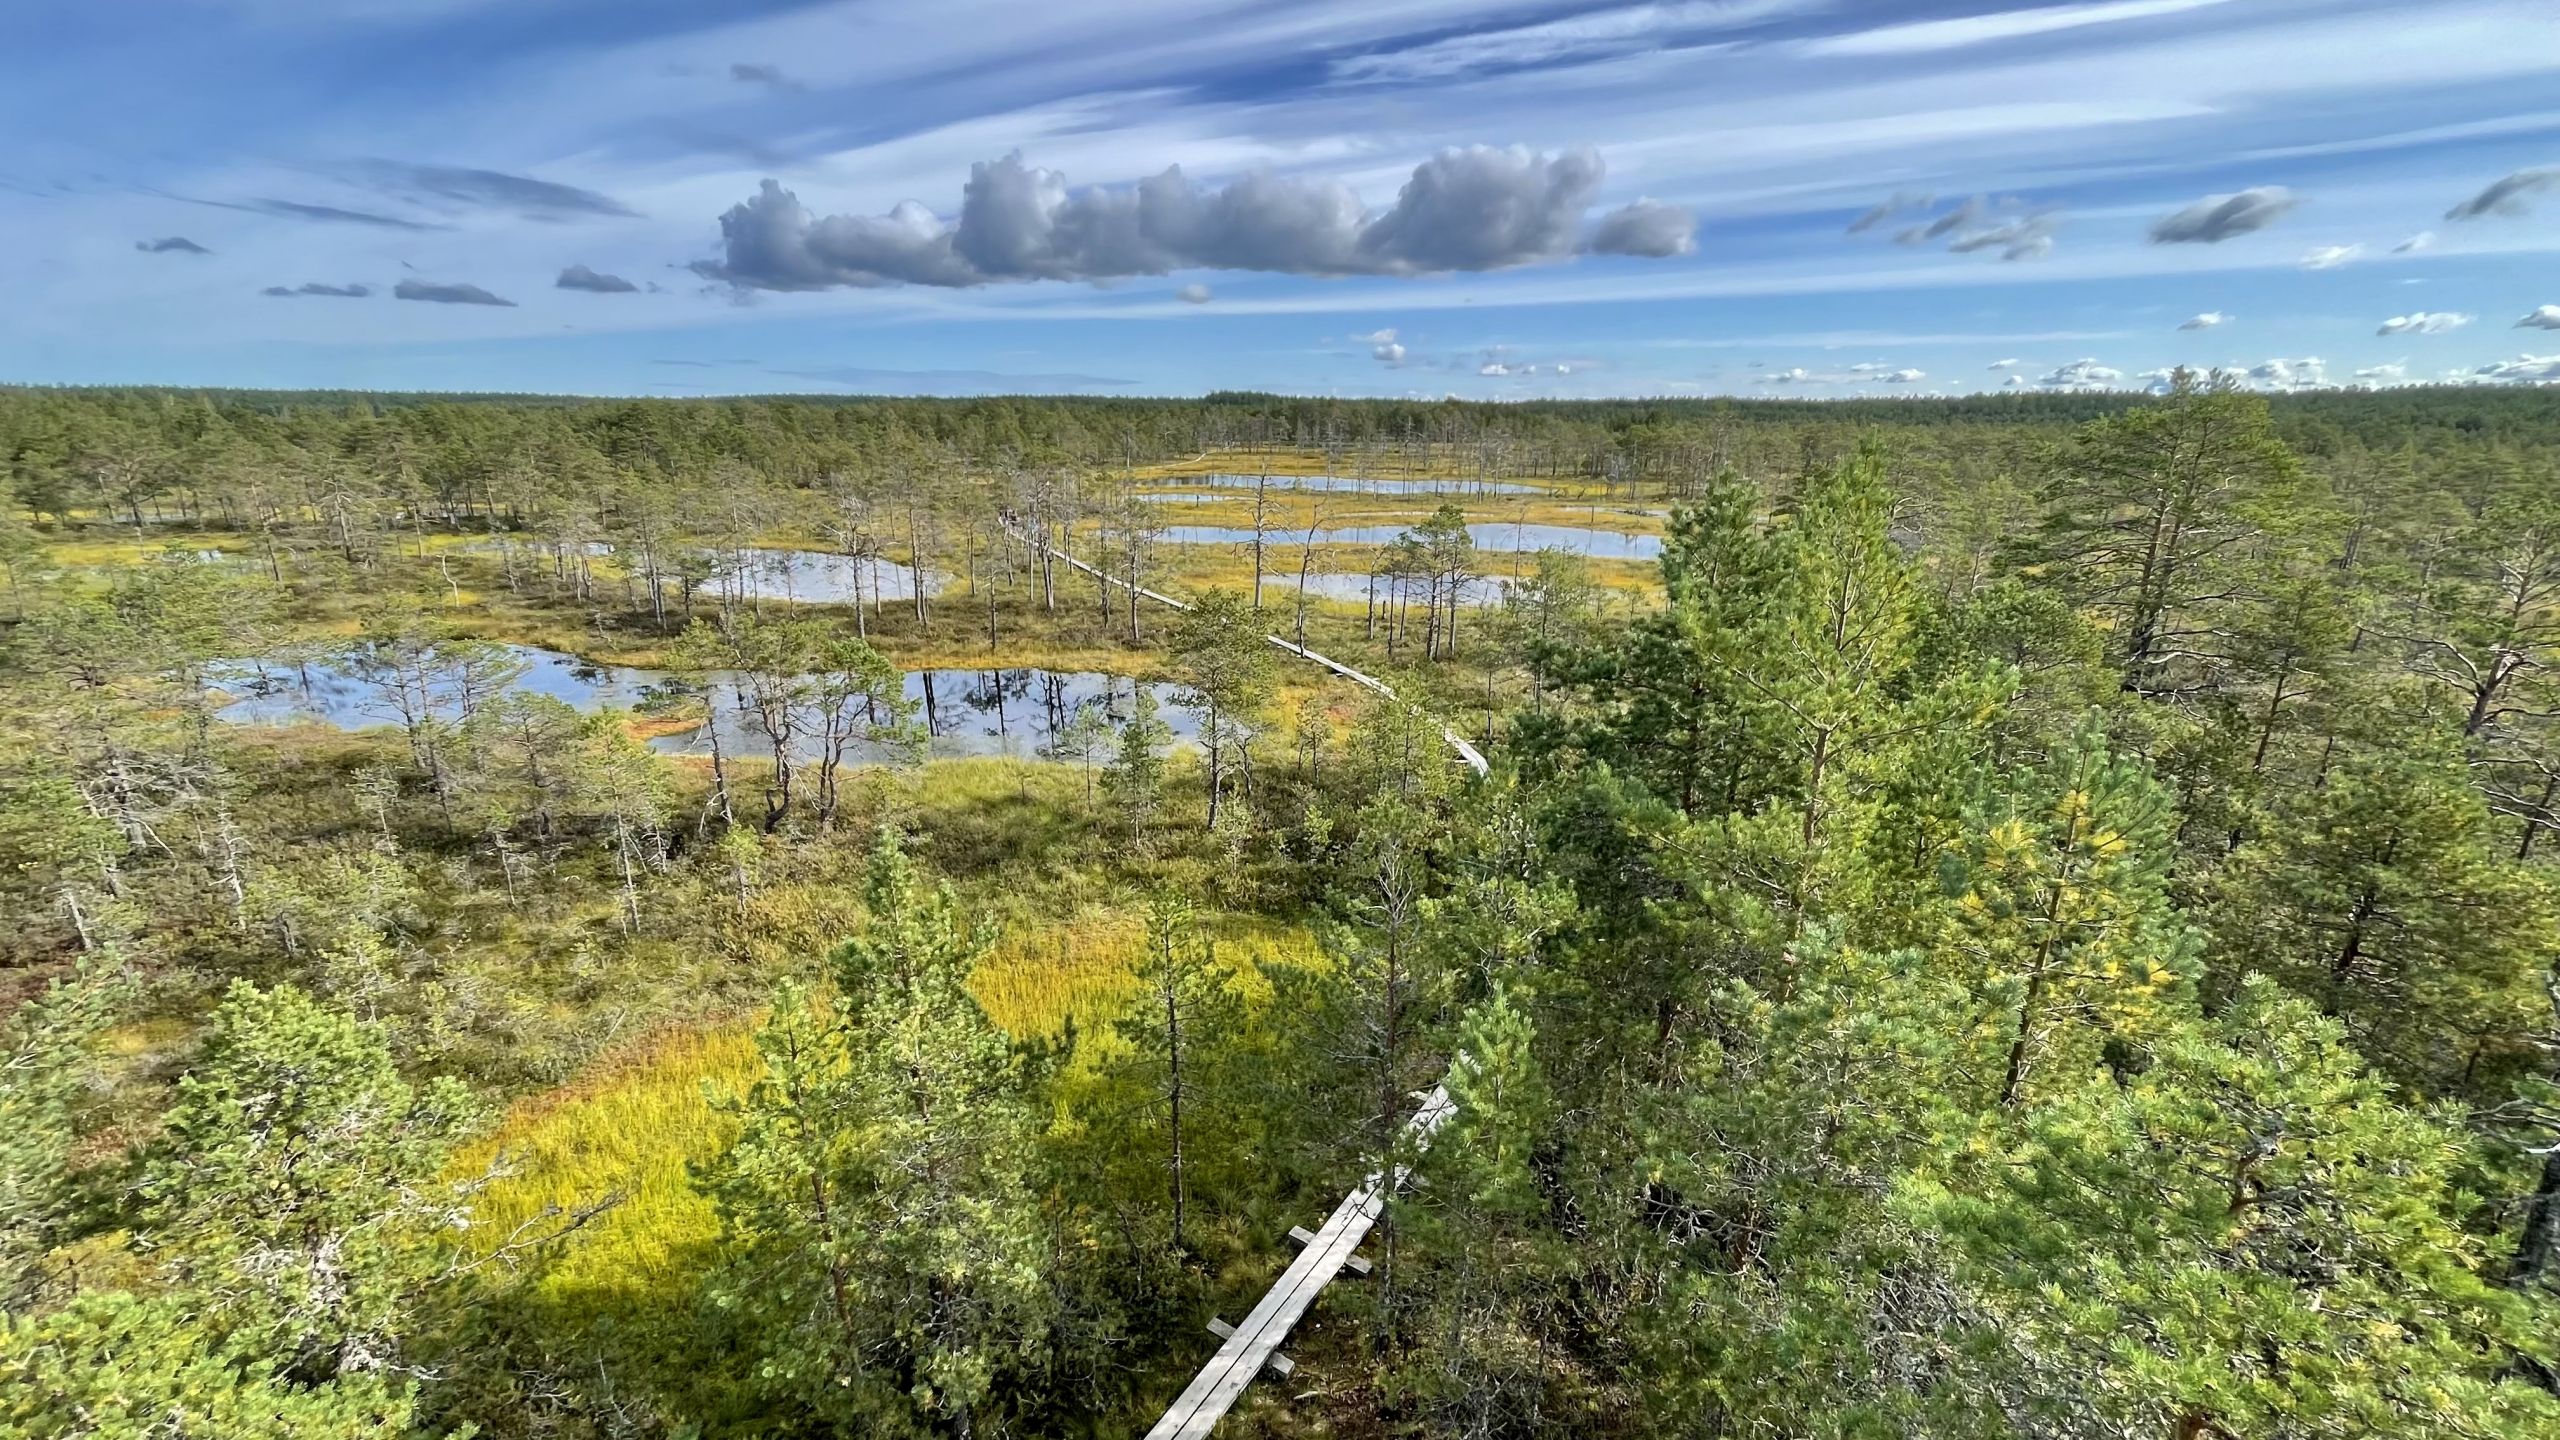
[120,1367]
[295,1190]
[883,1239]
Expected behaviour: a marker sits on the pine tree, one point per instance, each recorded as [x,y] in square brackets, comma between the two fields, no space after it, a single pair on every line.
[884,1243]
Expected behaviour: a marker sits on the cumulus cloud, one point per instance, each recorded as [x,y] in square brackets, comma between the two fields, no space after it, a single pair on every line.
[2424,322]
[1193,294]
[2308,373]
[1493,367]
[445,294]
[2080,375]
[2004,364]
[770,76]
[1793,375]
[2217,218]
[2507,194]
[1886,209]
[170,244]
[2522,370]
[2390,374]
[343,292]
[2329,257]
[2205,321]
[2415,243]
[1906,377]
[579,277]
[1383,347]
[1472,209]
[520,195]
[1649,228]
[2541,317]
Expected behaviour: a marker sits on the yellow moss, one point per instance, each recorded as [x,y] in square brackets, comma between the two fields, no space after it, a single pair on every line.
[630,1127]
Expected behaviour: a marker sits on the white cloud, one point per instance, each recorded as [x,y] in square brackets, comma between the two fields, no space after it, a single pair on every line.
[2391,374]
[2330,257]
[2541,317]
[2424,239]
[1923,36]
[2004,365]
[1193,294]
[1793,375]
[2522,370]
[1493,367]
[1387,353]
[1469,209]
[1648,228]
[2204,321]
[1586,37]
[2080,375]
[2217,218]
[2424,322]
[1906,377]
[2307,373]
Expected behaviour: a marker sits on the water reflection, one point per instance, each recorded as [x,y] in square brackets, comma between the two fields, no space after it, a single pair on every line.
[1358,588]
[1024,713]
[1493,535]
[1355,484]
[808,577]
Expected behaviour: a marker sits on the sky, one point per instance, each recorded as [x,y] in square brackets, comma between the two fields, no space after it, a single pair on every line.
[1344,197]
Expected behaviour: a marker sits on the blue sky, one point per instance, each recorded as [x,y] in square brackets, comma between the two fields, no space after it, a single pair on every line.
[1373,197]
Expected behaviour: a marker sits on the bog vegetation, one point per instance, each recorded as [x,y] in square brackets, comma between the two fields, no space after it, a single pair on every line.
[2028,917]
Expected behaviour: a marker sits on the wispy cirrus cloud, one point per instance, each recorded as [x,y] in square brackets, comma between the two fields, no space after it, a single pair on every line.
[520,195]
[301,210]
[1924,36]
[1594,35]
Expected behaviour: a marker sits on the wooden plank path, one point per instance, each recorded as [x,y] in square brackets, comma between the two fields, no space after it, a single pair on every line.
[1255,1345]
[1473,757]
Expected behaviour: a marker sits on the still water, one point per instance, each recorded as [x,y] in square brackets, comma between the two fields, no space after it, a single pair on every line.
[1015,712]
[1491,535]
[1355,484]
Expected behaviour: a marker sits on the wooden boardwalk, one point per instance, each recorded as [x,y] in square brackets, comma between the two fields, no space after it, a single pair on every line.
[1253,1346]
